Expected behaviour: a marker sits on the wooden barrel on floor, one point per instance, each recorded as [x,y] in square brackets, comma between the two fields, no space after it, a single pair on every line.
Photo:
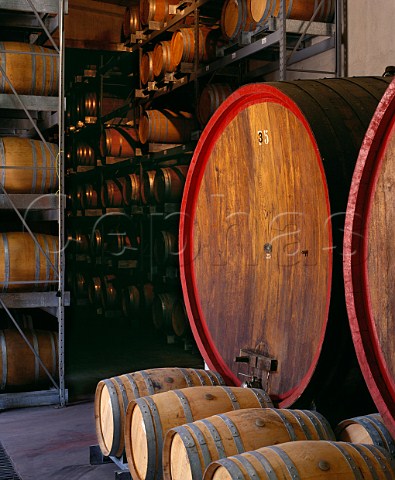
[28,166]
[169,184]
[149,418]
[131,20]
[162,60]
[132,189]
[113,395]
[240,16]
[367,429]
[18,365]
[31,69]
[210,99]
[24,266]
[155,10]
[85,155]
[166,126]
[147,68]
[305,459]
[119,142]
[147,187]
[369,265]
[183,45]
[189,449]
[256,231]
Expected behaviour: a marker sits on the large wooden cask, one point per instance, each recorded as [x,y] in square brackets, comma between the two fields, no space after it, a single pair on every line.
[31,69]
[114,394]
[18,365]
[369,261]
[28,166]
[260,223]
[189,449]
[149,418]
[306,459]
[28,265]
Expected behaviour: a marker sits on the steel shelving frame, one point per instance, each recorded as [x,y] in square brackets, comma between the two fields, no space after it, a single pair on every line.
[33,115]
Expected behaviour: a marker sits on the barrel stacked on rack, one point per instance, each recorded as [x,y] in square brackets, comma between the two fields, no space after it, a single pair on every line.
[28,256]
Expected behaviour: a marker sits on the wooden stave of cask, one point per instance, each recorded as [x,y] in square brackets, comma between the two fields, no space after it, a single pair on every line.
[147,68]
[311,111]
[23,266]
[189,449]
[18,365]
[210,99]
[131,21]
[165,126]
[367,239]
[305,459]
[162,60]
[144,444]
[155,10]
[367,429]
[121,390]
[119,142]
[169,183]
[28,166]
[147,186]
[183,45]
[32,70]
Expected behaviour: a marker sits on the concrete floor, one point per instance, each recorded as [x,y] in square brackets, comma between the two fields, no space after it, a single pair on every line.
[48,443]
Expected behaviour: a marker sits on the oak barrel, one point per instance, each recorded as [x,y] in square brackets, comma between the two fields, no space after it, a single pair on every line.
[112,192]
[246,236]
[132,189]
[162,59]
[162,307]
[189,449]
[166,126]
[147,68]
[306,459]
[369,263]
[85,155]
[18,365]
[130,300]
[147,186]
[183,45]
[155,10]
[31,69]
[149,418]
[91,197]
[28,166]
[169,184]
[24,266]
[210,99]
[131,21]
[367,429]
[119,142]
[166,248]
[179,319]
[113,395]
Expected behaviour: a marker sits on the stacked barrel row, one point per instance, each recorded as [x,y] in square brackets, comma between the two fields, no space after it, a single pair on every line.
[177,423]
[28,261]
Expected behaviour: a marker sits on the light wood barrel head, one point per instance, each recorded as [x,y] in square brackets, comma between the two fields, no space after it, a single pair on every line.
[180,466]
[139,446]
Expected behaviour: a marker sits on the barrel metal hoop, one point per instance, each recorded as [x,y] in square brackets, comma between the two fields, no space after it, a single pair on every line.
[321,424]
[158,431]
[361,451]
[134,386]
[150,432]
[233,469]
[293,471]
[37,350]
[3,347]
[45,170]
[269,470]
[350,460]
[253,475]
[34,169]
[2,160]
[123,392]
[371,429]
[287,424]
[44,77]
[185,405]
[116,416]
[148,382]
[187,377]
[215,378]
[190,445]
[384,432]
[216,437]
[34,70]
[302,424]
[200,377]
[378,453]
[6,262]
[53,350]
[234,432]
[232,397]
[263,397]
[3,60]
